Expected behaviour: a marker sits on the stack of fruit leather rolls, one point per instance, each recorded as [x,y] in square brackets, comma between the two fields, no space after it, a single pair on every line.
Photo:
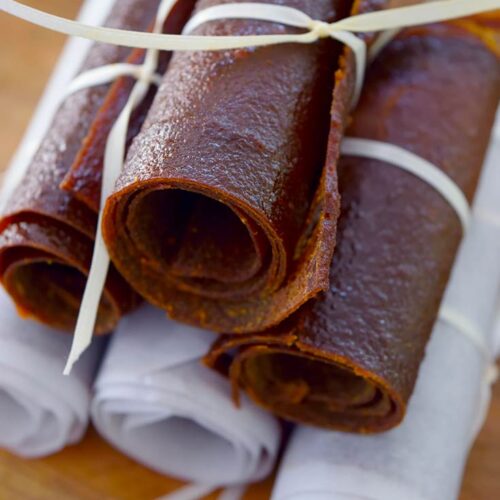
[423,458]
[37,420]
[225,212]
[48,223]
[349,360]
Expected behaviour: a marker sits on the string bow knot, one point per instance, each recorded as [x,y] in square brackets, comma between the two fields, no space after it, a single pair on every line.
[321,29]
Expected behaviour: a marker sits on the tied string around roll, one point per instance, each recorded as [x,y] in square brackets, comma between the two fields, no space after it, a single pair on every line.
[414,164]
[447,188]
[389,21]
[462,325]
[113,161]
[489,218]
[344,31]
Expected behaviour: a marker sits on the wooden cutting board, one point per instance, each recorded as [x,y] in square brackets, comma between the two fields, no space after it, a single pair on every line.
[93,470]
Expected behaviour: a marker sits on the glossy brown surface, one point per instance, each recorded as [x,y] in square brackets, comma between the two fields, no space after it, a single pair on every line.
[46,233]
[350,359]
[75,473]
[83,180]
[225,212]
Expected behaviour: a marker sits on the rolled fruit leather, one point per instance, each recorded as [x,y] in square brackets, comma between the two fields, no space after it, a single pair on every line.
[46,232]
[349,360]
[225,212]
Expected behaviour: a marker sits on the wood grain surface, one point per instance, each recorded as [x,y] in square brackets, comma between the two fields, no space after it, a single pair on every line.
[92,469]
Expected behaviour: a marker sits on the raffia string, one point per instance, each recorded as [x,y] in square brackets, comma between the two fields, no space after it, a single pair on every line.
[113,161]
[401,17]
[489,217]
[468,329]
[343,31]
[475,335]
[454,196]
[109,73]
[405,160]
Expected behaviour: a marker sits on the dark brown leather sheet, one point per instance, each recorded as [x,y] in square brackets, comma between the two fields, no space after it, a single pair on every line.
[46,232]
[225,212]
[83,180]
[349,360]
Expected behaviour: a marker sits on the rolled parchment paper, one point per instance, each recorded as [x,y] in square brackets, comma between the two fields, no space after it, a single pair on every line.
[156,403]
[422,459]
[349,360]
[41,410]
[225,211]
[48,223]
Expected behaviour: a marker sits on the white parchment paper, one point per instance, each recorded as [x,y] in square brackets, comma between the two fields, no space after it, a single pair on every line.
[156,403]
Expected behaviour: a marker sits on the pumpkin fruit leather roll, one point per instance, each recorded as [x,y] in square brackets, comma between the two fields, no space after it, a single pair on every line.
[349,360]
[46,233]
[225,212]
[83,180]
